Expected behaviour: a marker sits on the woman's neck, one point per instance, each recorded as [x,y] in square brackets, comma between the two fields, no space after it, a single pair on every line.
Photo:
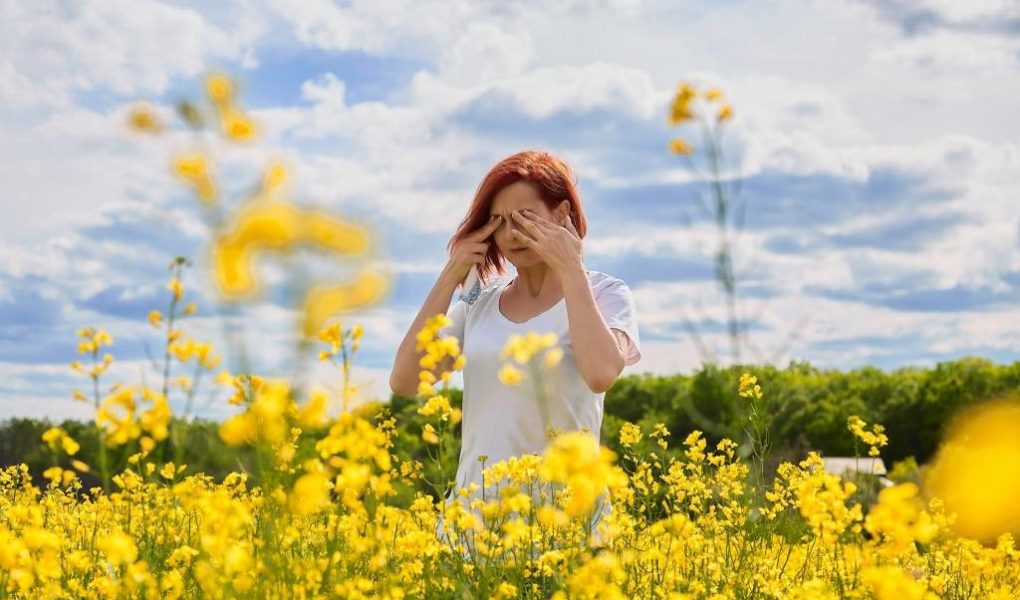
[538,280]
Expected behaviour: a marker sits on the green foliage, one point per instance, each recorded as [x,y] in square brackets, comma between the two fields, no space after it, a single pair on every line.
[809,409]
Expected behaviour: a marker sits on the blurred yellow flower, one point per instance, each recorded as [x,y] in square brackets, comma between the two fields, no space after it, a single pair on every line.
[155,317]
[523,348]
[238,430]
[274,178]
[176,288]
[725,113]
[310,494]
[976,471]
[713,94]
[335,235]
[313,413]
[681,111]
[142,118]
[195,170]
[220,90]
[118,547]
[679,146]
[552,357]
[323,302]
[237,126]
[509,375]
[428,433]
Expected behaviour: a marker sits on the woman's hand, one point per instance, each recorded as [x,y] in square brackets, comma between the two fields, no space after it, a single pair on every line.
[558,245]
[470,250]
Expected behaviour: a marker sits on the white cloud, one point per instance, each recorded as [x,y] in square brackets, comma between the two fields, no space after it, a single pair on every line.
[120,46]
[821,89]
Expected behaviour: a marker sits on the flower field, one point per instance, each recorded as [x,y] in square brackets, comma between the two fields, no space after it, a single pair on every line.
[322,523]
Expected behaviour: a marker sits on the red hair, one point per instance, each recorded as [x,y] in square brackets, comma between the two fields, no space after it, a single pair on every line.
[550,176]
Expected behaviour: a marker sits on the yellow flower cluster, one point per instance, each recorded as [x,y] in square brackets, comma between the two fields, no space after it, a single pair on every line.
[234,124]
[437,350]
[749,387]
[630,434]
[202,352]
[821,499]
[336,336]
[875,438]
[683,111]
[899,519]
[121,422]
[56,436]
[523,349]
[265,420]
[93,340]
[143,118]
[271,224]
[440,405]
[576,459]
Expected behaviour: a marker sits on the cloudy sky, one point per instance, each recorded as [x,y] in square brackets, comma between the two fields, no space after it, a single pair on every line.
[877,146]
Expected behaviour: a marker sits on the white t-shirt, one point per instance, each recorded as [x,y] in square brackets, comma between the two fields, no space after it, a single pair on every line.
[501,421]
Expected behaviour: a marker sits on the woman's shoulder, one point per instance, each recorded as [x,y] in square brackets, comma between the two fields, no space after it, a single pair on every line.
[601,281]
[493,284]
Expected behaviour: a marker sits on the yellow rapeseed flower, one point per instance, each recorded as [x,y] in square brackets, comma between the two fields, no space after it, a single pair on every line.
[713,94]
[681,111]
[176,288]
[509,375]
[428,433]
[679,146]
[274,178]
[237,125]
[725,113]
[976,471]
[749,387]
[327,301]
[142,118]
[195,170]
[220,90]
[118,547]
[310,494]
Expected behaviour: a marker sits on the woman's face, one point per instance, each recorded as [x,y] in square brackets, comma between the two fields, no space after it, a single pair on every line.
[519,196]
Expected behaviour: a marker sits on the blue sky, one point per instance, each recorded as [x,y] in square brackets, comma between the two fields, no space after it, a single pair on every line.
[876,141]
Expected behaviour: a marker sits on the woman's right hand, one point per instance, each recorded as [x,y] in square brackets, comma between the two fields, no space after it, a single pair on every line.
[471,250]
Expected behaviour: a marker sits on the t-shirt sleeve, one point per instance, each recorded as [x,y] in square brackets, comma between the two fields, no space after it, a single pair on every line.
[617,307]
[458,315]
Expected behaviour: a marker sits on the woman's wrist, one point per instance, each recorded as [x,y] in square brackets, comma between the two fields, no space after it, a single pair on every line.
[574,272]
[446,281]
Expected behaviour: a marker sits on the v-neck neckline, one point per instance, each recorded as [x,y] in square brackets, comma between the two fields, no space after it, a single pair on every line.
[499,311]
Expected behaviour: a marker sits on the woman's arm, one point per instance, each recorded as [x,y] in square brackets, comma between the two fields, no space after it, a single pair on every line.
[404,376]
[596,348]
[470,250]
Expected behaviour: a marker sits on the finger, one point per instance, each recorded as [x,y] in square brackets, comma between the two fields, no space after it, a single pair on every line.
[487,229]
[518,235]
[534,217]
[526,223]
[570,227]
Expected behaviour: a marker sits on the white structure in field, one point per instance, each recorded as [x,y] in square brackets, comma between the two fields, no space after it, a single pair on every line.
[849,466]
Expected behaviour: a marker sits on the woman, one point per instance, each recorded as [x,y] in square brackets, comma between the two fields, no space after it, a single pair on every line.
[526,211]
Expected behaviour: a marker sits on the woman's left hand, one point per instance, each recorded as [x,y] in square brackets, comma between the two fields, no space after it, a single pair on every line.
[559,246]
